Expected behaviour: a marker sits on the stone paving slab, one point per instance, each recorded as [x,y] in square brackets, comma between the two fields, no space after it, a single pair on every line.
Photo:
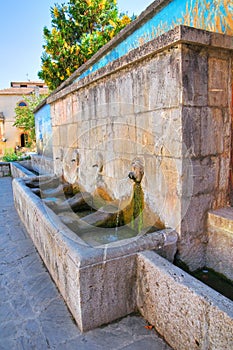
[33,314]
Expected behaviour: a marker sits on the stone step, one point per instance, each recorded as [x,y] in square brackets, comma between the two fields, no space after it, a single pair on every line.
[221,218]
[219,252]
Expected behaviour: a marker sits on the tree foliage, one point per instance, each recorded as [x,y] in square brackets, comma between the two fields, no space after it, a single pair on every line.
[79,29]
[24,114]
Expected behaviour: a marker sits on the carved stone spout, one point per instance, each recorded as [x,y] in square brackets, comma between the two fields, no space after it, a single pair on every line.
[137,172]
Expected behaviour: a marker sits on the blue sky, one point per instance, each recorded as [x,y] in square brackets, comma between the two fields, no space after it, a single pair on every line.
[21,35]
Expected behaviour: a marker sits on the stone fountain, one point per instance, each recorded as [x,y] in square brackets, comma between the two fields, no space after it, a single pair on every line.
[139,142]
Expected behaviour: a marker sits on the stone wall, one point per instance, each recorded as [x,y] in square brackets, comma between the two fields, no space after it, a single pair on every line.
[42,164]
[206,123]
[5,169]
[167,104]
[102,127]
[21,169]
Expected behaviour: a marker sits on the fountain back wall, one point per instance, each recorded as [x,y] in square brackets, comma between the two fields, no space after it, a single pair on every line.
[165,105]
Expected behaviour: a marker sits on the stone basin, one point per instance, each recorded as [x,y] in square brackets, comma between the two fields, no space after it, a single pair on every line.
[102,282]
[97,280]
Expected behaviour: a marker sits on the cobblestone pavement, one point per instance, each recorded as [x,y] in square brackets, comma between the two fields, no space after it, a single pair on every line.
[33,314]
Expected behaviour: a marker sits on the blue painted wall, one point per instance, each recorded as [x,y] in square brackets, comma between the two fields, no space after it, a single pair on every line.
[44,131]
[213,15]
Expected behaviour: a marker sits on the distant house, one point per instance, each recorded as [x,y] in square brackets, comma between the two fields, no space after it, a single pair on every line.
[11,136]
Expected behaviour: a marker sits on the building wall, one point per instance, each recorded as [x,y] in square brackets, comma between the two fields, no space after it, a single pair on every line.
[9,98]
[11,133]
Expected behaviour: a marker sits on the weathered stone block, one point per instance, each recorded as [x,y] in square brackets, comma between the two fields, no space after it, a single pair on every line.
[83,133]
[64,138]
[75,106]
[192,249]
[192,230]
[218,92]
[166,128]
[107,291]
[191,120]
[163,80]
[126,94]
[68,109]
[194,214]
[56,136]
[141,133]
[42,164]
[194,76]
[58,113]
[224,167]
[140,95]
[72,135]
[219,40]
[212,129]
[205,174]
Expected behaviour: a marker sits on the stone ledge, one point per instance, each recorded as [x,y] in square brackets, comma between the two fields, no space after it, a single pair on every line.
[221,218]
[17,170]
[219,250]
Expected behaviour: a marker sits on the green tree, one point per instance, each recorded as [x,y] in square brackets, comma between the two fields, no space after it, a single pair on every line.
[79,29]
[24,114]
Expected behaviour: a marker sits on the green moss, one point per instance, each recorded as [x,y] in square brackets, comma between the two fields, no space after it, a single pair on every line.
[138,206]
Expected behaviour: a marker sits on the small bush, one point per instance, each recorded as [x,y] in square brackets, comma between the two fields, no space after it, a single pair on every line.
[11,156]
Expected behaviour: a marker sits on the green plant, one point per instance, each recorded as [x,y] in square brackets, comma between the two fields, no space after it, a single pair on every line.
[79,29]
[11,156]
[25,117]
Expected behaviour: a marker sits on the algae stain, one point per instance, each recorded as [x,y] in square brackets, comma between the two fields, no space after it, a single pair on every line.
[137,208]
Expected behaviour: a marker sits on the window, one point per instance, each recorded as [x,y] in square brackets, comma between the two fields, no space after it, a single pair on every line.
[23,140]
[22,104]
[1,129]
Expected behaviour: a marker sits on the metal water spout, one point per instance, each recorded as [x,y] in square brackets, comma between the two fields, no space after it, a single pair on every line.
[137,172]
[132,176]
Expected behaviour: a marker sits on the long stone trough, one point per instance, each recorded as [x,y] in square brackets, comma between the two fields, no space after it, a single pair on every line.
[101,284]
[97,283]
